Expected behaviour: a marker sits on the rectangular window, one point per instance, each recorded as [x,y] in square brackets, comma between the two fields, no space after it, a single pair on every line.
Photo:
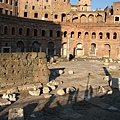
[44,7]
[35,15]
[1,0]
[7,1]
[1,10]
[6,12]
[116,18]
[26,6]
[10,2]
[25,14]
[46,0]
[33,7]
[11,13]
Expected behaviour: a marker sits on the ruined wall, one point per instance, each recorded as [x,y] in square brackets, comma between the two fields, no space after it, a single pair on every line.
[23,68]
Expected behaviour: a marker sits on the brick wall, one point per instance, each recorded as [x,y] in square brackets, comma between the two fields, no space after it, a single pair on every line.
[23,68]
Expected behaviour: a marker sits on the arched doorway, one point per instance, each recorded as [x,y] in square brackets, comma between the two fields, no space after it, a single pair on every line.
[64,49]
[79,51]
[107,50]
[93,49]
[20,46]
[36,47]
[51,51]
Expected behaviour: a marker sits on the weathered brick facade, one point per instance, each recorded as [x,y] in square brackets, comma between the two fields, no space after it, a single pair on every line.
[45,25]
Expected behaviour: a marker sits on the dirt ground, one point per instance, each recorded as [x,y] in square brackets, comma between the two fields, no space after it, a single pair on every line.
[87,78]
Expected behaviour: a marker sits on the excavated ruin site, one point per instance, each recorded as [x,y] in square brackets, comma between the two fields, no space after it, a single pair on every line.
[76,90]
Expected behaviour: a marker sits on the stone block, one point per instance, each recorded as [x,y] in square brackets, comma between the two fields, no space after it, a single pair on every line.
[34,92]
[61,92]
[16,114]
[46,90]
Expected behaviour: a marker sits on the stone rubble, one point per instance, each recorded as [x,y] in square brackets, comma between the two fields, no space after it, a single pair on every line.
[46,90]
[10,97]
[34,92]
[4,102]
[60,92]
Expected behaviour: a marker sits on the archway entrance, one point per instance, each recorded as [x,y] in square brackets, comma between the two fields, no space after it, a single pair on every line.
[51,49]
[79,50]
[93,49]
[20,46]
[64,49]
[107,50]
[36,47]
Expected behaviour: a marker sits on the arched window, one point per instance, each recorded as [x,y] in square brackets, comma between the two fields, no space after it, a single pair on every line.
[107,35]
[51,33]
[35,32]
[58,33]
[79,34]
[43,33]
[65,34]
[20,31]
[72,34]
[101,35]
[28,32]
[20,46]
[115,35]
[86,34]
[5,30]
[13,30]
[93,35]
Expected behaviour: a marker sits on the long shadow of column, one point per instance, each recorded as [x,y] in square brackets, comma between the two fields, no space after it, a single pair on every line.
[114,81]
[107,74]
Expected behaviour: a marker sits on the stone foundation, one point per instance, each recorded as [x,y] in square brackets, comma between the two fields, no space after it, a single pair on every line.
[23,68]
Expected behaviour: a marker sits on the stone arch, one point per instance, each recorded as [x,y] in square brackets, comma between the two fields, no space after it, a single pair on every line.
[93,49]
[36,47]
[20,46]
[107,50]
[79,51]
[50,49]
[91,18]
[83,18]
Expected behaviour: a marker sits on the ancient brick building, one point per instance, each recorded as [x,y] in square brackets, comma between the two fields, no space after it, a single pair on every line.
[53,25]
